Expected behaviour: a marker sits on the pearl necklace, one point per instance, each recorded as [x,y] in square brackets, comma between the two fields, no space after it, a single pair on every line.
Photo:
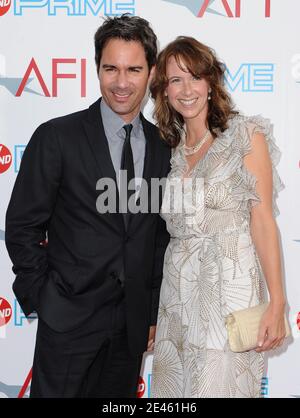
[198,146]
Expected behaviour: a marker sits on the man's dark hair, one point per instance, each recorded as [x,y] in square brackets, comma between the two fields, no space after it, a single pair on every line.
[127,28]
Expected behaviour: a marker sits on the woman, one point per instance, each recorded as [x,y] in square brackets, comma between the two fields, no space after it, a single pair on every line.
[220,255]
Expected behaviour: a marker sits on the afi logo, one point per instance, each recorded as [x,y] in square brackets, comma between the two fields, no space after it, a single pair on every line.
[17,86]
[5,158]
[231,9]
[15,391]
[4,6]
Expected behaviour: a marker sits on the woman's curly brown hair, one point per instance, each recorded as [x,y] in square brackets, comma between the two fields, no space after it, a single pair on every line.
[201,61]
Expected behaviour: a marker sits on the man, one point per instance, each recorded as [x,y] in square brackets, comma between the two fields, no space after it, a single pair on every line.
[95,285]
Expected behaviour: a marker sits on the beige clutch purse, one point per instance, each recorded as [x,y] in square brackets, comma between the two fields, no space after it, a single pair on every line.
[243,327]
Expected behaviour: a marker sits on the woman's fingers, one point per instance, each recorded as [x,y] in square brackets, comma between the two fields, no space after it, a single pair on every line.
[262,337]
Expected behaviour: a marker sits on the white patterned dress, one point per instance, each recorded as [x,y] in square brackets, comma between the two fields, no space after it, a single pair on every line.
[211,269]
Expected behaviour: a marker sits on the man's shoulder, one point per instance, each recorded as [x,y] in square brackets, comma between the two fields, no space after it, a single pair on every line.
[67,127]
[69,120]
[72,120]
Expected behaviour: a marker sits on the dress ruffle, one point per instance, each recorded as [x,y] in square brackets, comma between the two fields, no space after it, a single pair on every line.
[258,124]
[231,146]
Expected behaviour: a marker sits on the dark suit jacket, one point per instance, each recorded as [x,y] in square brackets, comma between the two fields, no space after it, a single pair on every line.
[76,275]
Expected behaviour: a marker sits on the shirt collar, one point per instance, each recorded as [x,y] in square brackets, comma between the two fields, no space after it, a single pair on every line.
[113,123]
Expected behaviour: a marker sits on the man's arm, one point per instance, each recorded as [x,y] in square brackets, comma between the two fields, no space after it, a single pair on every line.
[162,241]
[28,214]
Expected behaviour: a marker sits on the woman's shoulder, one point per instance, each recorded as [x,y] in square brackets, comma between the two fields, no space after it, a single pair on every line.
[245,127]
[237,138]
[251,124]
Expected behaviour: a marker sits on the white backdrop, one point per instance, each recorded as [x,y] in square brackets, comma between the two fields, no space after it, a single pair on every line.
[259,40]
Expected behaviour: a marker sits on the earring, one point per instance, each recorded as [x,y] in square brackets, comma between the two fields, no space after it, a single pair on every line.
[209,94]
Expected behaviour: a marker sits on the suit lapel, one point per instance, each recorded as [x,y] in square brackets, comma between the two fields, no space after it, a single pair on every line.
[100,150]
[150,150]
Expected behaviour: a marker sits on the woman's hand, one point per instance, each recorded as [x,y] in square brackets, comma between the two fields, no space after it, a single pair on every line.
[272,328]
[151,338]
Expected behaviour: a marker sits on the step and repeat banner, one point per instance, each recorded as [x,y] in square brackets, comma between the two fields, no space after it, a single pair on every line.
[47,69]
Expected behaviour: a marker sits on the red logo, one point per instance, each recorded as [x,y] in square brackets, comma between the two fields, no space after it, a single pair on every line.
[4,6]
[208,6]
[25,385]
[5,158]
[298,321]
[56,75]
[5,312]
[141,388]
